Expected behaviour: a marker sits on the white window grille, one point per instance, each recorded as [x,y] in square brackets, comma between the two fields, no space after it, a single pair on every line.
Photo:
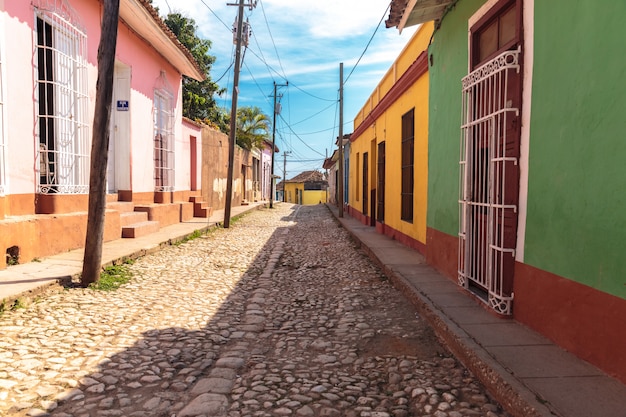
[163,136]
[63,142]
[488,167]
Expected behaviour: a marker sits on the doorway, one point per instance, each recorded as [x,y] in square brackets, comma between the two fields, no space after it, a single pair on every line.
[489,157]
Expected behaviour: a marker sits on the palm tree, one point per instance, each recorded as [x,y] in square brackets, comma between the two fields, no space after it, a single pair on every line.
[252,127]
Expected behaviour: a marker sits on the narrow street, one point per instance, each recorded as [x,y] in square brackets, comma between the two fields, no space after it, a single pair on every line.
[280,315]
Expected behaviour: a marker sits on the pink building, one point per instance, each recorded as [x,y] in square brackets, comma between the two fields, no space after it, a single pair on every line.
[48,74]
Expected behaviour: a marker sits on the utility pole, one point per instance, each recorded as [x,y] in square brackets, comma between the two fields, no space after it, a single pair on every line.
[285,172]
[233,111]
[340,141]
[276,111]
[92,257]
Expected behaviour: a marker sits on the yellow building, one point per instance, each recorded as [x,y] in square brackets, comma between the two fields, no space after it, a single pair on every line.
[307,188]
[388,174]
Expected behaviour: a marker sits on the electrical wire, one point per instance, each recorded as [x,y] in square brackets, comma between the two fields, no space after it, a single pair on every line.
[299,138]
[216,16]
[272,39]
[232,62]
[313,115]
[368,43]
[312,95]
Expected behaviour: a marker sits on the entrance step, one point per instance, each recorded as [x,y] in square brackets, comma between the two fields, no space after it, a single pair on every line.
[140,229]
[200,207]
[132,217]
[121,206]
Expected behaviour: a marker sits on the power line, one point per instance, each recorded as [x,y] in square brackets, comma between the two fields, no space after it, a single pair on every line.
[300,139]
[313,115]
[368,43]
[272,38]
[312,95]
[215,14]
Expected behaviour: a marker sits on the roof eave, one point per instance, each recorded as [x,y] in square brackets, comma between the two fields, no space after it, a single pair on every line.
[406,13]
[141,17]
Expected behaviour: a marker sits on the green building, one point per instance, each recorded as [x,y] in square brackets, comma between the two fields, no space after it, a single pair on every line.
[527,179]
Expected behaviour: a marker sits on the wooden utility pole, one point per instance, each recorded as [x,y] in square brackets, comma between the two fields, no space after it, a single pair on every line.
[272,180]
[340,141]
[276,111]
[285,153]
[233,120]
[100,144]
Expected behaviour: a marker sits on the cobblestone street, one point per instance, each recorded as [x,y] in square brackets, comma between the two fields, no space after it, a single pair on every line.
[280,315]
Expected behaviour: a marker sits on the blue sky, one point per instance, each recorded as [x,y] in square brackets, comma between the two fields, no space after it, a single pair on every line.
[300,43]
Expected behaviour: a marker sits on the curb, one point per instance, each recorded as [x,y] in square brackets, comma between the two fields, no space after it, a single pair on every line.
[513,395]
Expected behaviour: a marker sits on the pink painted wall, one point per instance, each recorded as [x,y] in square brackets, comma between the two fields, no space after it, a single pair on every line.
[18,49]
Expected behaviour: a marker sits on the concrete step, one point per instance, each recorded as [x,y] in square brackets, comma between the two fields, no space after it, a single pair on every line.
[132,217]
[140,229]
[121,206]
[202,211]
[196,199]
[200,207]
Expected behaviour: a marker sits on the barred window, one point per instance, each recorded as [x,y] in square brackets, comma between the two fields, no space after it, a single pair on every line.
[163,136]
[63,142]
[408,153]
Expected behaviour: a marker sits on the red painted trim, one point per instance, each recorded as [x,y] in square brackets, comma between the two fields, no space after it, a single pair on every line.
[357,215]
[443,252]
[418,68]
[406,240]
[587,322]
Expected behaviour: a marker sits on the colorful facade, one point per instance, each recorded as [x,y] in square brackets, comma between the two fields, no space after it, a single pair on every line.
[388,171]
[48,74]
[526,173]
[307,188]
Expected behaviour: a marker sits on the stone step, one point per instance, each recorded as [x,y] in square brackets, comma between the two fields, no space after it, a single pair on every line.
[132,217]
[140,229]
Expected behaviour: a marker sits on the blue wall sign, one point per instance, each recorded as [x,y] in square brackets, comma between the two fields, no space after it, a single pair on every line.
[122,105]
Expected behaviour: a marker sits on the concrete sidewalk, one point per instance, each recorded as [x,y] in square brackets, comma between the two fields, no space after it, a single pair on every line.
[29,279]
[526,372]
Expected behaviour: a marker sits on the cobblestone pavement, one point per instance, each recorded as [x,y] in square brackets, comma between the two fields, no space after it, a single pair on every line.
[280,315]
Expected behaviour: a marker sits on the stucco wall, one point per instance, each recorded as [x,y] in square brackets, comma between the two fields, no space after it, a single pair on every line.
[312,197]
[214,170]
[576,221]
[388,128]
[446,69]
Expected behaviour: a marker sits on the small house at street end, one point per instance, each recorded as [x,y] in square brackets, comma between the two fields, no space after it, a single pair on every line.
[307,188]
[526,151]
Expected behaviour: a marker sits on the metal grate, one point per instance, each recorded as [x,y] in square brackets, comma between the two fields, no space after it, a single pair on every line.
[163,137]
[62,101]
[487,164]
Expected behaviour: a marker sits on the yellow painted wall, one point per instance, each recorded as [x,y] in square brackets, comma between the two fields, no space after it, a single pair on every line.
[290,191]
[388,128]
[312,197]
[309,197]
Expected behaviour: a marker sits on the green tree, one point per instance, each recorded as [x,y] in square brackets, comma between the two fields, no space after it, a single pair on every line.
[198,96]
[253,127]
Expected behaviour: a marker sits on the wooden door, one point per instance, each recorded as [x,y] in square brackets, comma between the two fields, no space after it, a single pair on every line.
[489,154]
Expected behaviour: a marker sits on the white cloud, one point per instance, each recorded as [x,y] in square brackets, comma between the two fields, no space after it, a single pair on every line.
[304,42]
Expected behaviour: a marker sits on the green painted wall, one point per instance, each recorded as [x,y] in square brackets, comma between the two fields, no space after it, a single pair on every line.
[576,224]
[448,66]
